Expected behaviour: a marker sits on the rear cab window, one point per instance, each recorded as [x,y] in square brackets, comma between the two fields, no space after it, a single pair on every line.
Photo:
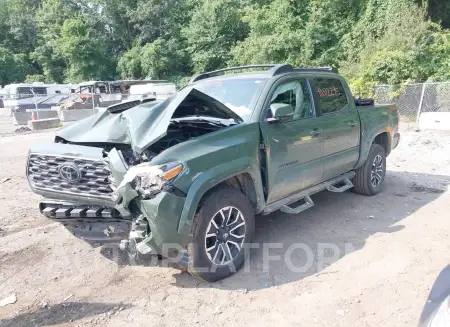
[329,94]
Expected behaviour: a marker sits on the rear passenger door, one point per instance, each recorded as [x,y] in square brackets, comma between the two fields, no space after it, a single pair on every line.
[340,123]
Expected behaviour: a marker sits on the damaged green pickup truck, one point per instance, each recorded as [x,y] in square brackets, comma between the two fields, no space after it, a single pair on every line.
[187,175]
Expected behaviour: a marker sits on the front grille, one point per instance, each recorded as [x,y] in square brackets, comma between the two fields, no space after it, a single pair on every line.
[76,176]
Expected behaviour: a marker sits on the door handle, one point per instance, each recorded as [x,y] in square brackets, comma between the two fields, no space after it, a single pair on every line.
[352,123]
[315,132]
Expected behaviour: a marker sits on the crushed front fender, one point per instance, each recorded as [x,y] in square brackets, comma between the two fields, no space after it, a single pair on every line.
[162,212]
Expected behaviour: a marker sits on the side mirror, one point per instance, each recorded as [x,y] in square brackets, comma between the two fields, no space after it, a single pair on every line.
[281,111]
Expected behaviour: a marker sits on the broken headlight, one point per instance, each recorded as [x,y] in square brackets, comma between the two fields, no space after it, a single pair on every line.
[151,180]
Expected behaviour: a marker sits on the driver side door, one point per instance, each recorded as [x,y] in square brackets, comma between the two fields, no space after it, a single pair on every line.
[293,147]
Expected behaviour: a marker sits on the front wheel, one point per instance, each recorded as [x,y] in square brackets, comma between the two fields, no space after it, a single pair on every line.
[224,224]
[370,176]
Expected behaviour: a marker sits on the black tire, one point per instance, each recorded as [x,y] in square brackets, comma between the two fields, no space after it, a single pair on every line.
[363,180]
[201,263]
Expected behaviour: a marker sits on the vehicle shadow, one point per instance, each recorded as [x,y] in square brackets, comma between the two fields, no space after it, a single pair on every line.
[59,314]
[303,245]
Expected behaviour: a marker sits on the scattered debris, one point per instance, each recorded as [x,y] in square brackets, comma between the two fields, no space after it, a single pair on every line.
[400,195]
[109,230]
[423,189]
[68,297]
[10,299]
[218,310]
[22,129]
[44,304]
[327,272]
[370,217]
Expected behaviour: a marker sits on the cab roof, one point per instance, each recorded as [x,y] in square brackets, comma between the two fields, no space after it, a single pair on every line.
[266,70]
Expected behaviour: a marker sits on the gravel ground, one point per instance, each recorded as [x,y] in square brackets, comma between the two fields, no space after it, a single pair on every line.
[383,255]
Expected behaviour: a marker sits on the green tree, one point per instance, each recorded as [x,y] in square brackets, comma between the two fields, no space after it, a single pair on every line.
[130,63]
[371,41]
[50,18]
[85,50]
[216,26]
[13,67]
[276,34]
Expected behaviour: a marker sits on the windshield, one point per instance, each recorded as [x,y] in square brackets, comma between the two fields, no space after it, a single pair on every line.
[236,93]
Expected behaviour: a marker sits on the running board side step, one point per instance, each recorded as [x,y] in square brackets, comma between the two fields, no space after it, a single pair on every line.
[283,204]
[293,211]
[347,185]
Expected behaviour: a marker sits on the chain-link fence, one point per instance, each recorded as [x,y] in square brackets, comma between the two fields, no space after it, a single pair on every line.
[17,111]
[413,101]
[416,101]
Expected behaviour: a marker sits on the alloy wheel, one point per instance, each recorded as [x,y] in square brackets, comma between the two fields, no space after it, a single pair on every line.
[376,175]
[225,236]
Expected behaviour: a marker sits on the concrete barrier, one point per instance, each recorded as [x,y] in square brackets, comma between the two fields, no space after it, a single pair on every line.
[75,114]
[22,117]
[5,112]
[44,123]
[435,120]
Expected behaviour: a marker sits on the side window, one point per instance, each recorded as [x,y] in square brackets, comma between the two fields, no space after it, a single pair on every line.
[296,94]
[24,92]
[40,90]
[330,95]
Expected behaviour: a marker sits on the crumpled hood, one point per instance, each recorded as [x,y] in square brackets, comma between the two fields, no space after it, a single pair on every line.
[102,127]
[143,125]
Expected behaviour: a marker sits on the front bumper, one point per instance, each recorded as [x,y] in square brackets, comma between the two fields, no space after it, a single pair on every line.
[94,224]
[110,219]
[99,224]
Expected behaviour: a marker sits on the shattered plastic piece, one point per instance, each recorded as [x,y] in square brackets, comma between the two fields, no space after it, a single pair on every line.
[109,230]
[142,246]
[142,169]
[68,297]
[11,299]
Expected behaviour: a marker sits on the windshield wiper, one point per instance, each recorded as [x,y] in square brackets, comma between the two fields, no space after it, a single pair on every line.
[215,122]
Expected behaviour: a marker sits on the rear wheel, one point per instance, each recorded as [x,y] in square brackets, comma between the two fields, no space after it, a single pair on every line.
[222,227]
[370,176]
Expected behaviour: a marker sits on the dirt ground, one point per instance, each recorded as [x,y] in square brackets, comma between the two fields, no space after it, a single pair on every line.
[383,255]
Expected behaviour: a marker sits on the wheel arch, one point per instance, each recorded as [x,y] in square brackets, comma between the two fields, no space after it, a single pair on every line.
[247,179]
[381,137]
[242,182]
